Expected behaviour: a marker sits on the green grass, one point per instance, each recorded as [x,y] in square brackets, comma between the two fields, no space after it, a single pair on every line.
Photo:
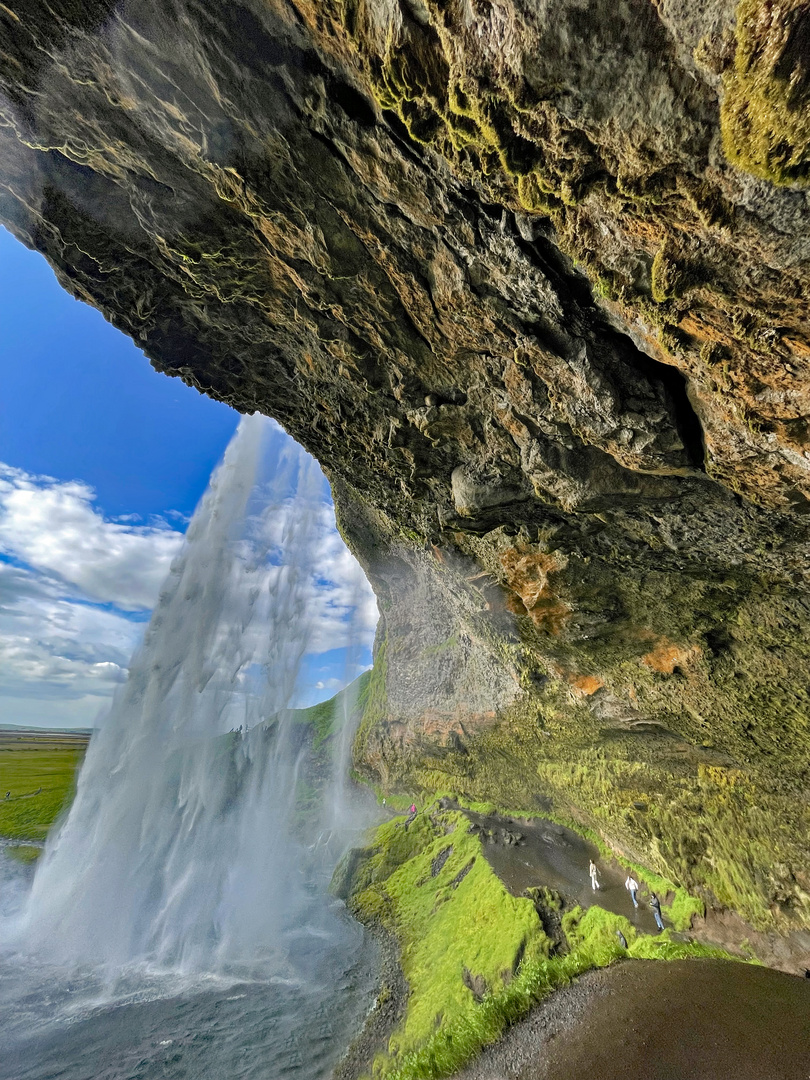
[680,911]
[456,936]
[372,702]
[23,771]
[321,717]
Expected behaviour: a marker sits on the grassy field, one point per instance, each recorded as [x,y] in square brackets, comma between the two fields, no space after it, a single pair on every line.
[39,772]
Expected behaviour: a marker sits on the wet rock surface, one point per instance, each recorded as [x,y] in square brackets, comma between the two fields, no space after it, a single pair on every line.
[531,284]
[691,1019]
[554,857]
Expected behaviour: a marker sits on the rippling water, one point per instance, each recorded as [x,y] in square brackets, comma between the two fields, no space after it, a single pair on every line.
[146,1025]
[178,924]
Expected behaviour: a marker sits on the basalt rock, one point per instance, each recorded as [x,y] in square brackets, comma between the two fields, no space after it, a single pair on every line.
[530,281]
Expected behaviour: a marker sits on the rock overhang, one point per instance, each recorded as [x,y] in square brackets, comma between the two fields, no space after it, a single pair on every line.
[501,271]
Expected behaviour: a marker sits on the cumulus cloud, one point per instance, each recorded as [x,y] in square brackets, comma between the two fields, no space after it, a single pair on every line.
[60,657]
[54,527]
[341,609]
[69,579]
[76,589]
[343,604]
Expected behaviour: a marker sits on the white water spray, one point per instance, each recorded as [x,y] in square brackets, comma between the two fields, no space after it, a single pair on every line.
[178,850]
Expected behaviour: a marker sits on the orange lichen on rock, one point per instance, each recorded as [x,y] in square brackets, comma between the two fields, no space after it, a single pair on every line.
[528,577]
[585,685]
[666,657]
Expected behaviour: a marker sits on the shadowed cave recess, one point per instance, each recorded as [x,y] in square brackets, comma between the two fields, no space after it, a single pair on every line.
[531,284]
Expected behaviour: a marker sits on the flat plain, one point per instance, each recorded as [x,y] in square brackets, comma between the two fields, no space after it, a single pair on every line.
[37,776]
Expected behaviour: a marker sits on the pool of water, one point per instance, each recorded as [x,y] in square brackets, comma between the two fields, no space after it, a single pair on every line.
[143,1024]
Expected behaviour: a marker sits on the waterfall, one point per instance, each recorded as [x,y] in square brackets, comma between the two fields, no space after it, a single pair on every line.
[181,849]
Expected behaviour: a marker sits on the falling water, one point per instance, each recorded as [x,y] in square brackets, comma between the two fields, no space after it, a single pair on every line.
[183,851]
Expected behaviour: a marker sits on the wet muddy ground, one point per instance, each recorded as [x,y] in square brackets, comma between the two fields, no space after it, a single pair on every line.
[650,1020]
[551,855]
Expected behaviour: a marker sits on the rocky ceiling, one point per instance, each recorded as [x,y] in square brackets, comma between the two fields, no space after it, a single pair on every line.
[531,282]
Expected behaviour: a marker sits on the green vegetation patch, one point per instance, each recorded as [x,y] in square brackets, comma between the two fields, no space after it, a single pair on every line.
[476,958]
[708,794]
[41,782]
[765,116]
[372,701]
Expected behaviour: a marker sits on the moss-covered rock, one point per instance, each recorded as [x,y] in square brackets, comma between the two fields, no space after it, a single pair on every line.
[766,92]
[475,958]
[489,263]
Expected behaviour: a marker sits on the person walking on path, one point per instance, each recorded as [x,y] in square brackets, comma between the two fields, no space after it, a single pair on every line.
[632,887]
[655,904]
[592,872]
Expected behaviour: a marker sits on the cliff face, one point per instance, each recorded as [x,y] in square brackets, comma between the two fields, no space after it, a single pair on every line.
[530,281]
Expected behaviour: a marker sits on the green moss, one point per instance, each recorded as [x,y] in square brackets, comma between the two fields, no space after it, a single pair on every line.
[683,909]
[706,832]
[669,277]
[460,920]
[372,702]
[24,854]
[476,958]
[443,646]
[765,112]
[535,196]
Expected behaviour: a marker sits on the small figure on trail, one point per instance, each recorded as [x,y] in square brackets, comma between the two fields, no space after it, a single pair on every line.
[411,815]
[8,794]
[632,887]
[655,904]
[622,939]
[592,872]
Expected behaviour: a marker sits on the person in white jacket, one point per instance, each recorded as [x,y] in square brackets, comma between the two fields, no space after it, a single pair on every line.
[632,887]
[592,872]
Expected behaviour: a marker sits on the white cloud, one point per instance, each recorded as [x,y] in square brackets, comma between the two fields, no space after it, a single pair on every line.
[329,684]
[62,653]
[53,526]
[54,647]
[340,605]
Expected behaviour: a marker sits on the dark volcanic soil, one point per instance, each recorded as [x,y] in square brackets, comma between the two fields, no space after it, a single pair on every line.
[649,1020]
[549,854]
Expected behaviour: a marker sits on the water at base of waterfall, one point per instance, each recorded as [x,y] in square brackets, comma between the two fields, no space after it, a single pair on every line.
[152,1025]
[179,923]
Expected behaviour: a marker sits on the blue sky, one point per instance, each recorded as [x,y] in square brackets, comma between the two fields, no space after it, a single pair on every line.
[80,401]
[102,461]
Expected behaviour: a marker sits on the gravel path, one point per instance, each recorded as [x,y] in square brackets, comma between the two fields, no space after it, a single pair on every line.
[650,1020]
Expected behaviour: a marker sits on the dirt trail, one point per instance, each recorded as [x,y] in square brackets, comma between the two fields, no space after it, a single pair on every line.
[552,855]
[651,1020]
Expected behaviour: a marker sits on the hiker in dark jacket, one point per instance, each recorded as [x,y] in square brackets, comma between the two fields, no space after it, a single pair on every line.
[655,904]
